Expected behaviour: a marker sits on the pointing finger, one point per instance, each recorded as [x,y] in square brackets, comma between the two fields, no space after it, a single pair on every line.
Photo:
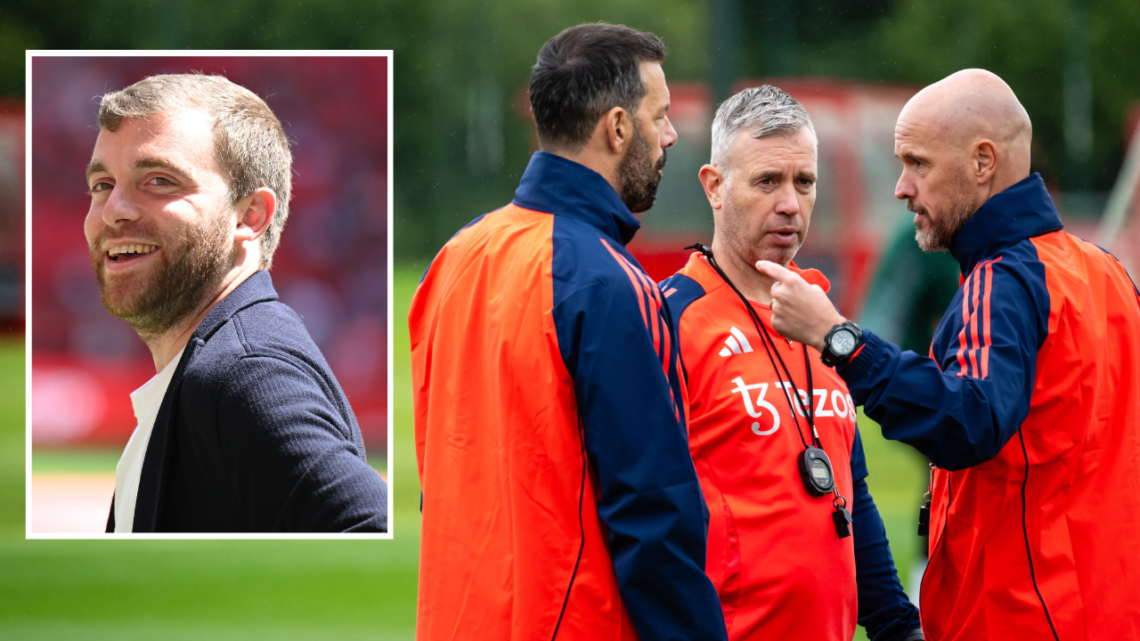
[774,271]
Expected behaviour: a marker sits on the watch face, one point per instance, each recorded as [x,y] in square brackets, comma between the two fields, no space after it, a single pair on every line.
[842,342]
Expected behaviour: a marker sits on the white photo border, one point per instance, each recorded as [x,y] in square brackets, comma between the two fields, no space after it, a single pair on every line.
[28,321]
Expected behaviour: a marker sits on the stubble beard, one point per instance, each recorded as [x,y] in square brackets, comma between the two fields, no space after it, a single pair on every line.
[738,236]
[192,265]
[638,177]
[940,231]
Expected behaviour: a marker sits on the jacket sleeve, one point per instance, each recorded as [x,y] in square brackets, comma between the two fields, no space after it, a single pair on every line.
[884,609]
[962,409]
[294,462]
[621,352]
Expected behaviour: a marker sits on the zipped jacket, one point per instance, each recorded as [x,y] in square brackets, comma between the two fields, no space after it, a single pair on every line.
[559,499]
[1029,407]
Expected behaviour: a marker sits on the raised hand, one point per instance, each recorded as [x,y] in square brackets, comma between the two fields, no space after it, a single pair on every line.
[800,312]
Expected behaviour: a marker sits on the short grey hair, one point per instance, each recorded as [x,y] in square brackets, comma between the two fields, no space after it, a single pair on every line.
[764,111]
[250,145]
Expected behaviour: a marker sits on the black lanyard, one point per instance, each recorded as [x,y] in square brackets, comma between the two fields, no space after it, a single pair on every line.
[815,467]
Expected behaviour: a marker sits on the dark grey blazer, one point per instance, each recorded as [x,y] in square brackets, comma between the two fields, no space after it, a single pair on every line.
[254,433]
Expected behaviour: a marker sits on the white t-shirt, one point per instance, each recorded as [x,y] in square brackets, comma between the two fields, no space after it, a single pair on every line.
[146,401]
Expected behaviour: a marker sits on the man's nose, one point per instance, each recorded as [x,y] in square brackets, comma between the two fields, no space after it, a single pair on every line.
[668,134]
[120,207]
[904,188]
[787,200]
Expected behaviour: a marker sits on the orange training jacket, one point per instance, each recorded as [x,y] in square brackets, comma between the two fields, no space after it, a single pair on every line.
[559,499]
[1030,408]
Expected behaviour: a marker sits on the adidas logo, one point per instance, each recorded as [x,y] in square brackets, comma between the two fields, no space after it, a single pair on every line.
[735,344]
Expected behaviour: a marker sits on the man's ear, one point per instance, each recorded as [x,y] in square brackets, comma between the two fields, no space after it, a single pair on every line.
[255,213]
[712,179]
[985,161]
[618,127]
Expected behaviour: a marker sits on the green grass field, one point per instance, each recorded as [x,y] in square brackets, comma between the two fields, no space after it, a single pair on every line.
[128,590]
[281,590]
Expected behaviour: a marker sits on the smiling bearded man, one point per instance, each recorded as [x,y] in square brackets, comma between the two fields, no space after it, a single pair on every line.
[244,428]
[191,266]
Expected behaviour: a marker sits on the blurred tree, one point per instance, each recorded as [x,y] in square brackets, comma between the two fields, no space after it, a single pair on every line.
[1026,44]
[460,142]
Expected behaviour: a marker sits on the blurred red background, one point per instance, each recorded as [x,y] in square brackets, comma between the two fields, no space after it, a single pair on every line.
[11,217]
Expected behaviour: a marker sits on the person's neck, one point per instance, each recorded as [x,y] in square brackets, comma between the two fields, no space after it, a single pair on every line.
[165,346]
[755,286]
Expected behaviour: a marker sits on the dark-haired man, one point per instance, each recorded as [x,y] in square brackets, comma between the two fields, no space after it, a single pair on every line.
[559,499]
[244,427]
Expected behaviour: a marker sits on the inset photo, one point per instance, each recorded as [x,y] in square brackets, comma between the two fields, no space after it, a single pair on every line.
[209,294]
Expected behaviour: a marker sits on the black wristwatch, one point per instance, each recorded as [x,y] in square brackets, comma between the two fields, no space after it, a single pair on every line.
[840,343]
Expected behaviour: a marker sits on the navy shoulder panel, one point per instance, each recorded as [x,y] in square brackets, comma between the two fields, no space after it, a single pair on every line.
[963,407]
[1025,265]
[995,282]
[617,342]
[584,257]
[680,291]
[595,277]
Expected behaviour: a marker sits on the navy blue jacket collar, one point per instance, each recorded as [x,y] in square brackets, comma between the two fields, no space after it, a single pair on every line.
[1022,211]
[255,289]
[563,187]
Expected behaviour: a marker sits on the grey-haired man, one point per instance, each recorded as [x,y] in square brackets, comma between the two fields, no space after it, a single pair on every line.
[772,431]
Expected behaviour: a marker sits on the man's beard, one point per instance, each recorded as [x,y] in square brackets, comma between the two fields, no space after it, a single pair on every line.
[192,264]
[638,176]
[939,233]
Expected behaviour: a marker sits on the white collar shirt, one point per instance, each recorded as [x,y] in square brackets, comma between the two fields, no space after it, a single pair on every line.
[146,401]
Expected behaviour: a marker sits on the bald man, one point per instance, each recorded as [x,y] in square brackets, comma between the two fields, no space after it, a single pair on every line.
[1028,406]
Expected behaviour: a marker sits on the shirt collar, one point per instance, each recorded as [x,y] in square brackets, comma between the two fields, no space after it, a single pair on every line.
[559,186]
[1022,211]
[148,397]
